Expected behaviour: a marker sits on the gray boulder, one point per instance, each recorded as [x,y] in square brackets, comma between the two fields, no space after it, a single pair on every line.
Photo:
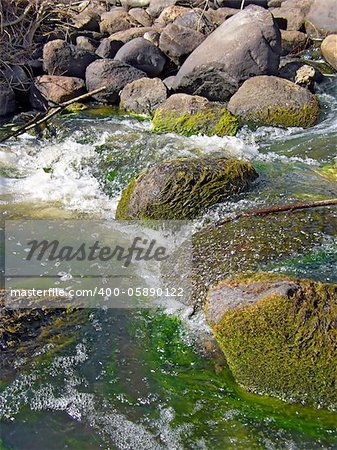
[143,55]
[178,42]
[141,17]
[108,48]
[61,58]
[143,96]
[227,57]
[7,99]
[116,20]
[322,18]
[329,50]
[274,101]
[115,75]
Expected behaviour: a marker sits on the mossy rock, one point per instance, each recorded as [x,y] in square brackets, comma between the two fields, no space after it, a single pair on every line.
[182,188]
[190,114]
[269,100]
[279,336]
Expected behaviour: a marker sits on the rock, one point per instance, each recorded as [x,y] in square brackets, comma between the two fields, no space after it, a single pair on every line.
[321,19]
[135,3]
[227,58]
[301,73]
[218,16]
[116,20]
[141,16]
[275,3]
[238,3]
[86,43]
[178,42]
[61,58]
[293,41]
[89,19]
[143,55]
[143,96]
[50,90]
[274,101]
[329,50]
[115,75]
[153,37]
[196,20]
[182,188]
[17,78]
[169,81]
[7,99]
[188,115]
[108,48]
[278,335]
[289,18]
[157,7]
[170,14]
[132,33]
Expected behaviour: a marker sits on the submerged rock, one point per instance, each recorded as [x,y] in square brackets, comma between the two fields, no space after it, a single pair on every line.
[115,75]
[329,50]
[182,188]
[278,335]
[188,115]
[274,101]
[228,57]
[143,96]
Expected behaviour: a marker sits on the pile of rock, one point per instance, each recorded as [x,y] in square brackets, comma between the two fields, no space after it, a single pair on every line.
[145,51]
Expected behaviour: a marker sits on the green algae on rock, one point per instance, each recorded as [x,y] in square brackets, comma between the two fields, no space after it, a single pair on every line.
[181,188]
[269,100]
[191,114]
[278,335]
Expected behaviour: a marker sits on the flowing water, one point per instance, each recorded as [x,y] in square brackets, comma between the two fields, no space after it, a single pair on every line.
[138,379]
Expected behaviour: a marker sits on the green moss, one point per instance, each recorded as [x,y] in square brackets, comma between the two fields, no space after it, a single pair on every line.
[304,117]
[284,346]
[182,188]
[329,172]
[212,121]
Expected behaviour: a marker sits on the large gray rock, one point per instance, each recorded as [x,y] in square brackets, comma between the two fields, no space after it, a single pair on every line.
[292,13]
[143,55]
[7,99]
[143,96]
[322,18]
[178,42]
[116,20]
[274,101]
[227,57]
[329,50]
[115,75]
[61,58]
[50,90]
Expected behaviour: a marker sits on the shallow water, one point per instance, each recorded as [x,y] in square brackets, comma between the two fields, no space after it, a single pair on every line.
[139,380]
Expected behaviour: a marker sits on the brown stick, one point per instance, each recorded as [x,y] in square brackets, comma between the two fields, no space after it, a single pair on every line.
[277,209]
[38,120]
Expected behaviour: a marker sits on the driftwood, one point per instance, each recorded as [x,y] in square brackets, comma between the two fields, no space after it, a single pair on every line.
[41,118]
[276,210]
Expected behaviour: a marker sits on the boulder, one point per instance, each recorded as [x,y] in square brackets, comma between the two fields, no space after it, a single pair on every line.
[293,41]
[196,20]
[156,7]
[61,58]
[141,17]
[289,18]
[329,50]
[188,115]
[143,96]
[89,19]
[108,48]
[274,101]
[178,42]
[87,43]
[153,37]
[143,55]
[278,335]
[321,19]
[50,90]
[116,20]
[227,58]
[115,75]
[7,99]
[182,188]
[170,14]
